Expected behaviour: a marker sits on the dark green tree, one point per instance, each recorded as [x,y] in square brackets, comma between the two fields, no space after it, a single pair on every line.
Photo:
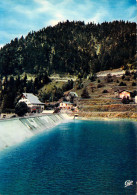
[85,93]
[21,109]
[71,47]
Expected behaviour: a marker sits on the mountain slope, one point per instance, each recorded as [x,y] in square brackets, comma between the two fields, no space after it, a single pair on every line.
[71,47]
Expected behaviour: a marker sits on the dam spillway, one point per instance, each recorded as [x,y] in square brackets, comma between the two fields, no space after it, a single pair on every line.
[15,131]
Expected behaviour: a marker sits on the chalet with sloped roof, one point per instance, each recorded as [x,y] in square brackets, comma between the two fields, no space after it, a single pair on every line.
[32,102]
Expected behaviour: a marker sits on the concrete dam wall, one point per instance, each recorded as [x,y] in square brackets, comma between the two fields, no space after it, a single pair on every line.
[14,131]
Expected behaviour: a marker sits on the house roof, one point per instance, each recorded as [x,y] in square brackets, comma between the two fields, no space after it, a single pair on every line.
[124,90]
[73,94]
[32,98]
[66,102]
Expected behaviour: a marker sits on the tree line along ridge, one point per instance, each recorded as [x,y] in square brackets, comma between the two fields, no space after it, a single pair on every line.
[71,47]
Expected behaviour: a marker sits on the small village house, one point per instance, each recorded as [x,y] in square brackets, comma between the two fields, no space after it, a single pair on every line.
[66,105]
[135,99]
[124,93]
[32,102]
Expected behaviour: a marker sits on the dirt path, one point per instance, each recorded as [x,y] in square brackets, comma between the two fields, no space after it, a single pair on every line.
[116,72]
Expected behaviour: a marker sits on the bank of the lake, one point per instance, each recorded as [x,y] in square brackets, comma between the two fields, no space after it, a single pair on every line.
[108,116]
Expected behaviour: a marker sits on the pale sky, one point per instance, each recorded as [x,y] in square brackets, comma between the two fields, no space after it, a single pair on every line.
[19,17]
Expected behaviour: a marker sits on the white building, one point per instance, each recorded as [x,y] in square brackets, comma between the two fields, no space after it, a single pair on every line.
[66,105]
[135,99]
[32,102]
[48,112]
[125,94]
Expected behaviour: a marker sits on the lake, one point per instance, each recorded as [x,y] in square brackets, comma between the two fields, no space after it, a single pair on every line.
[78,157]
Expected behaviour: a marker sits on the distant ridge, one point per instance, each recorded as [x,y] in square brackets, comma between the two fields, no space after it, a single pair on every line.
[71,47]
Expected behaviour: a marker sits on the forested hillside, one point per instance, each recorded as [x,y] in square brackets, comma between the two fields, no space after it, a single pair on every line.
[71,47]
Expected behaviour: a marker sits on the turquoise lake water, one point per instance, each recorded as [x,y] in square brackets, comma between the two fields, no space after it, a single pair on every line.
[79,157]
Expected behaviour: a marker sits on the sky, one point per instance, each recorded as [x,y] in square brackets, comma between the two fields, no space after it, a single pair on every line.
[19,17]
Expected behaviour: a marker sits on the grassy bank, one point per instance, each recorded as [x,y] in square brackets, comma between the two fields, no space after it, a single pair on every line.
[108,115]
